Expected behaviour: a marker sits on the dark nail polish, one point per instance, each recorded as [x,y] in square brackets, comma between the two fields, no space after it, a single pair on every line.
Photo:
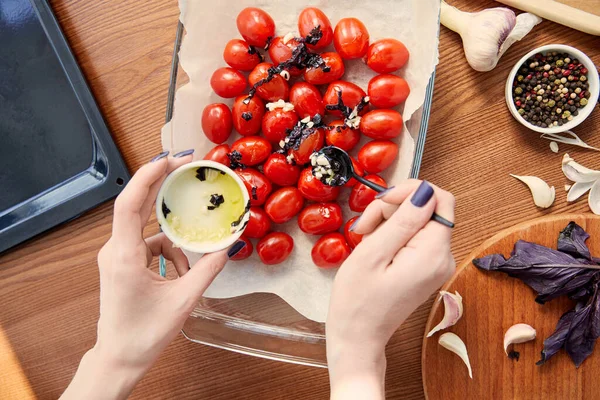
[354,224]
[160,156]
[236,248]
[386,191]
[422,195]
[183,153]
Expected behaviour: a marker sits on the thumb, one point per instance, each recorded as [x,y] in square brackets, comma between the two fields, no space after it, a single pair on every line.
[195,282]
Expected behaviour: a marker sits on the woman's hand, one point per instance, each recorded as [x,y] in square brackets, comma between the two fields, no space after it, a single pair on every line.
[403,258]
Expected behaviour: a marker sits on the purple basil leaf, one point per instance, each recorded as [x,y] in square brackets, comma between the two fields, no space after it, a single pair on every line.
[556,341]
[595,322]
[580,341]
[572,239]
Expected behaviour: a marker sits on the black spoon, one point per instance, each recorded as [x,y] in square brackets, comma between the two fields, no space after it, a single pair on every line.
[340,163]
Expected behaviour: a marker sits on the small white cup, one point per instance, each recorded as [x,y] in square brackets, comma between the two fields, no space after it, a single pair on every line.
[201,248]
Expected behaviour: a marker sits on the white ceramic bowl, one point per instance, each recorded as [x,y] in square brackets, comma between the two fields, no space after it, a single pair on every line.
[199,247]
[593,80]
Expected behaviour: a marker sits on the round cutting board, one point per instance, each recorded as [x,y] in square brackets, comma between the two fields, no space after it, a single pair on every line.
[492,303]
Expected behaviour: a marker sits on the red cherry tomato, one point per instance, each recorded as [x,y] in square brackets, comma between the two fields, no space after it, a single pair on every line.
[351,38]
[318,219]
[315,190]
[219,154]
[254,149]
[387,91]
[277,88]
[258,186]
[245,252]
[259,223]
[275,248]
[361,196]
[309,145]
[276,123]
[342,136]
[317,76]
[381,124]
[387,55]
[278,170]
[227,82]
[281,52]
[284,204]
[256,26]
[240,55]
[216,122]
[352,95]
[247,118]
[307,100]
[377,155]
[358,169]
[310,18]
[352,238]
[330,251]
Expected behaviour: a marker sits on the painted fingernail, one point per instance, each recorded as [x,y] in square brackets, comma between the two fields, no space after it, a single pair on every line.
[183,153]
[354,224]
[236,248]
[160,156]
[386,191]
[422,195]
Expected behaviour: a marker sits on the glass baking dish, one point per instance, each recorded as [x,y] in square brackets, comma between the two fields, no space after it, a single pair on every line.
[262,324]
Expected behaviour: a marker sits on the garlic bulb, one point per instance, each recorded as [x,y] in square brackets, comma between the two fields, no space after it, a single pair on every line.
[519,333]
[453,310]
[543,195]
[455,344]
[487,34]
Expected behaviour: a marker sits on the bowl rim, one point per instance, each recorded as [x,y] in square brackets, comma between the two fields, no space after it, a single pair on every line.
[593,79]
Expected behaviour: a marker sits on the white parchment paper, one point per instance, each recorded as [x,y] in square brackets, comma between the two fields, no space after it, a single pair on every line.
[209,26]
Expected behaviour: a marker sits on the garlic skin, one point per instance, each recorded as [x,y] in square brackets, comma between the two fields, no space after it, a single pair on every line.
[543,195]
[519,333]
[487,34]
[453,310]
[594,198]
[578,189]
[455,344]
[576,172]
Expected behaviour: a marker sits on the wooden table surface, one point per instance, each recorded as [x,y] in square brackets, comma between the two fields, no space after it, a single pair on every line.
[49,286]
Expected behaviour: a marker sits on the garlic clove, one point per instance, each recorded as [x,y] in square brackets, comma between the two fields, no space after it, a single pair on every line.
[554,147]
[453,343]
[453,310]
[577,172]
[519,333]
[567,187]
[543,195]
[578,189]
[594,198]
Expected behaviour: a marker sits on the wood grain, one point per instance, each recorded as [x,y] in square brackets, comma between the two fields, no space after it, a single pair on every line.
[49,286]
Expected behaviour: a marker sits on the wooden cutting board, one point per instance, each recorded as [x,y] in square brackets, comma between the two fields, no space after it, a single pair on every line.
[492,303]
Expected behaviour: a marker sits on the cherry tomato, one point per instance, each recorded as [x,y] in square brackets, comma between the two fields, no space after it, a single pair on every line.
[352,238]
[216,122]
[277,88]
[310,18]
[315,190]
[276,123]
[381,124]
[278,170]
[317,76]
[307,100]
[258,186]
[275,248]
[342,136]
[246,251]
[330,251]
[281,52]
[219,154]
[259,223]
[351,38]
[240,55]
[309,145]
[227,82]
[352,95]
[387,91]
[361,196]
[318,219]
[254,149]
[377,155]
[387,55]
[358,169]
[247,118]
[284,204]
[256,26]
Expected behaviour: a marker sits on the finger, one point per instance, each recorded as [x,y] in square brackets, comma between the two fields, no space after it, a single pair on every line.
[200,276]
[160,244]
[435,235]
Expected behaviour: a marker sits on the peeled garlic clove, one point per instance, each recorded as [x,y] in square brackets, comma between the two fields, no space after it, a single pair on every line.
[554,147]
[594,198]
[453,343]
[519,333]
[578,189]
[577,172]
[543,195]
[453,310]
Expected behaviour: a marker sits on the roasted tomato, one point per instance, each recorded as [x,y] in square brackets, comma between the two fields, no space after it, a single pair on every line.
[219,154]
[352,95]
[279,171]
[377,155]
[247,118]
[381,124]
[318,219]
[259,223]
[227,82]
[333,71]
[352,238]
[240,55]
[330,251]
[258,186]
[315,190]
[255,26]
[351,38]
[284,204]
[277,88]
[306,99]
[387,55]
[358,169]
[276,123]
[309,19]
[361,196]
[309,145]
[281,52]
[254,149]
[387,91]
[216,122]
[275,248]
[246,251]
[342,136]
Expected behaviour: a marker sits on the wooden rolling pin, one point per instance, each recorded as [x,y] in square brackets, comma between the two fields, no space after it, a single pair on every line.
[559,13]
